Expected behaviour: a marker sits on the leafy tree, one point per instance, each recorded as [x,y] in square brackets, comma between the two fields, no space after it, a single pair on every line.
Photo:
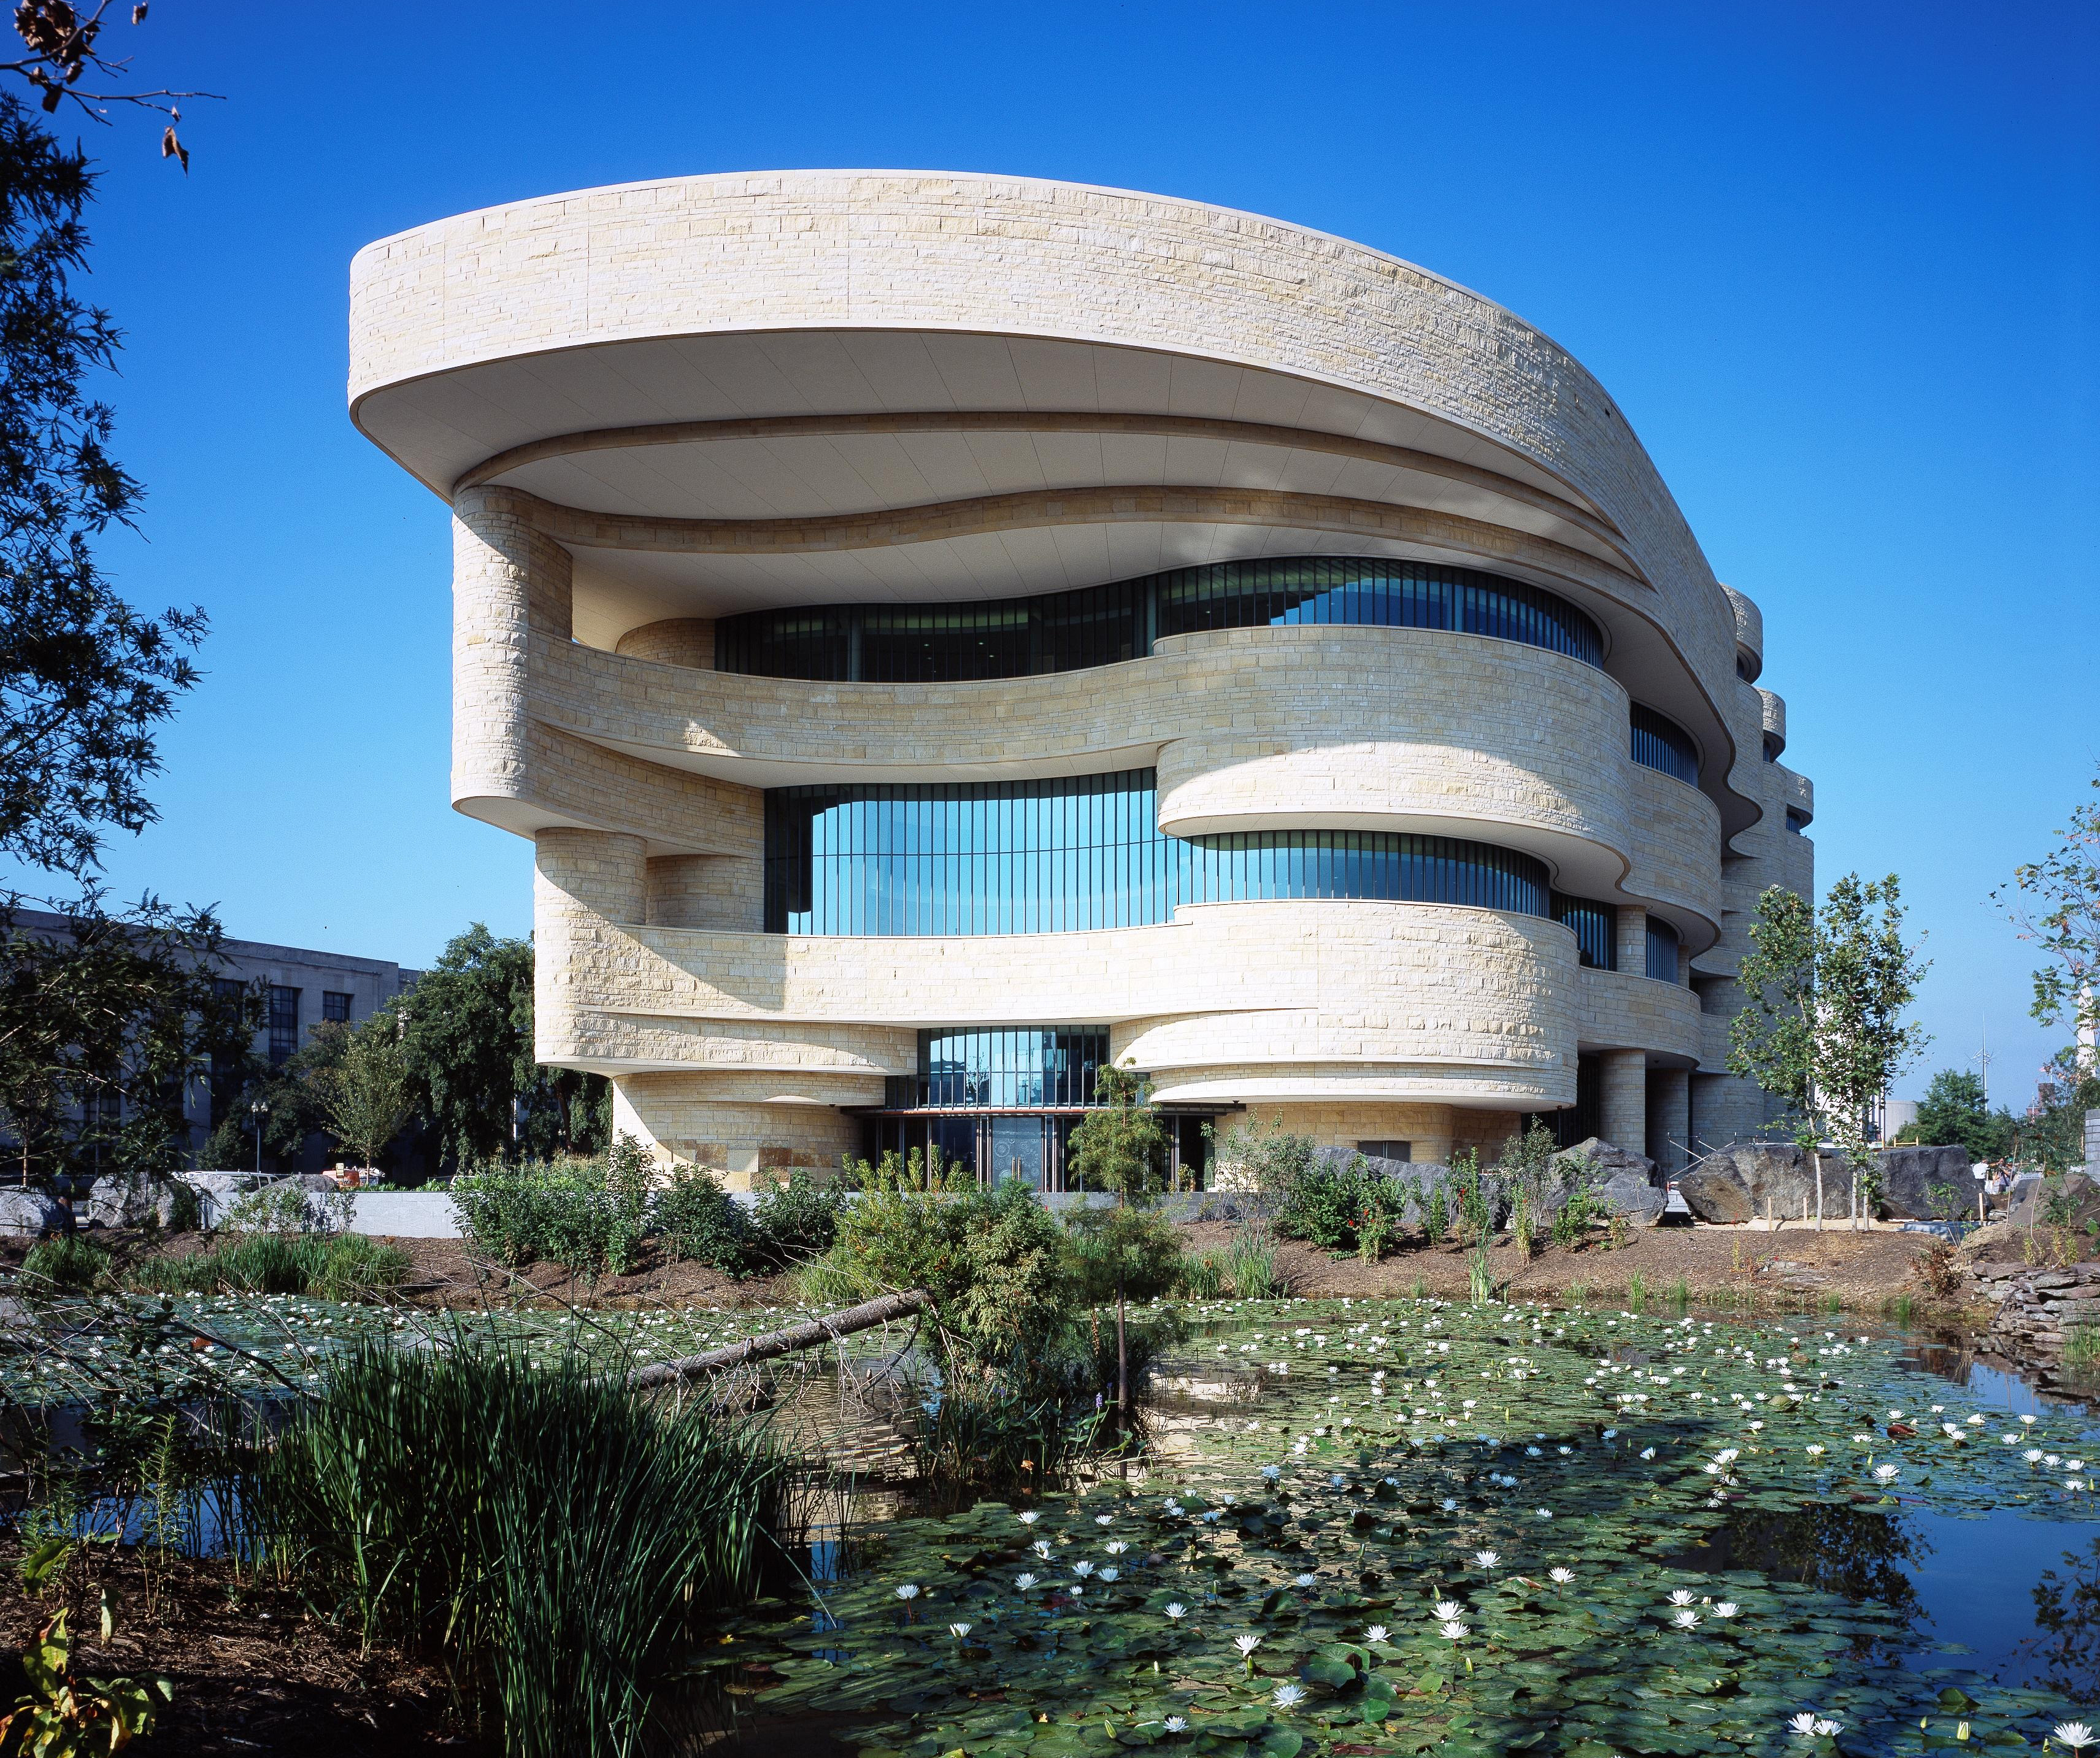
[1823,1030]
[84,679]
[102,1027]
[364,1090]
[1120,1147]
[2055,903]
[1954,1112]
[466,1041]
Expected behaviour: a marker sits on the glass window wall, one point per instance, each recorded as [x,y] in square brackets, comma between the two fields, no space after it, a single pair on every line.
[1079,853]
[1659,742]
[1101,625]
[1595,927]
[1662,950]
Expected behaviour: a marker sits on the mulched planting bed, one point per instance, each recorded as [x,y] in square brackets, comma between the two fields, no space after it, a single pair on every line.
[252,1671]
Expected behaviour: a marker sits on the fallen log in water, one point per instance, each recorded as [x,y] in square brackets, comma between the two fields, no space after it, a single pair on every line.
[806,1335]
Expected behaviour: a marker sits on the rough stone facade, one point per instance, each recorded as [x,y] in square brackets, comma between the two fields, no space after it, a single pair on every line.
[803,388]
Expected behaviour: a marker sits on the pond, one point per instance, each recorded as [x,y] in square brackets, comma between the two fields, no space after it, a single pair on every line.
[1410,1526]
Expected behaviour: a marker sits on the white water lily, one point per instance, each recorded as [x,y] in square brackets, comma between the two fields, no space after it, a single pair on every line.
[1110,1573]
[1453,1631]
[1287,1696]
[2074,1735]
[1449,1505]
[907,1592]
[1176,1724]
[1377,1632]
[1827,1729]
[1487,1559]
[1686,1620]
[958,1631]
[1305,1580]
[1024,1582]
[1247,1645]
[1803,1724]
[1561,1577]
[1446,1609]
[1030,1518]
[1886,1473]
[1177,1611]
[1815,1450]
[1041,1547]
[1682,1596]
[1271,1472]
[1104,1519]
[1726,1609]
[1648,1452]
[1115,1547]
[1082,1568]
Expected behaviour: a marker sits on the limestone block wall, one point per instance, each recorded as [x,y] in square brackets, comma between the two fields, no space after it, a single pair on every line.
[687,640]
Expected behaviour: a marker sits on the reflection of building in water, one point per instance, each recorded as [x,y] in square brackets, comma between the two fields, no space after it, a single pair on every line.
[1025,616]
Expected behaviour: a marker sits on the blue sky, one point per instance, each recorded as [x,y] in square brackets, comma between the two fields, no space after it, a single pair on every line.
[1837,264]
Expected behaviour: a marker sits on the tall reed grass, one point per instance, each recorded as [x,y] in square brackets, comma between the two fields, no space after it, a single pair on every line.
[347,1268]
[546,1532]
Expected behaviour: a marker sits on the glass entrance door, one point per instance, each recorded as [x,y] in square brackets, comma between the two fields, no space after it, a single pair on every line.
[1016,1151]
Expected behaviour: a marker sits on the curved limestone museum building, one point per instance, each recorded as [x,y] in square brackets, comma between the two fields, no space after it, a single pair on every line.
[943,633]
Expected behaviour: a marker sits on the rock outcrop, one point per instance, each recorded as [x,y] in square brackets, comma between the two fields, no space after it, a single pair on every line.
[1926,1183]
[1623,1181]
[2037,1308]
[31,1212]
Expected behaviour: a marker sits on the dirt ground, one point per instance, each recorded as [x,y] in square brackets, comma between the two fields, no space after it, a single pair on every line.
[251,1671]
[1860,1271]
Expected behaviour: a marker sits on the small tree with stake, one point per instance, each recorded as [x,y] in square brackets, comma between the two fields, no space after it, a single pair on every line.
[1823,1029]
[1119,1148]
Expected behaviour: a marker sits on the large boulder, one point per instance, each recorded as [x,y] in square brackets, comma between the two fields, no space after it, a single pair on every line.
[139,1202]
[1909,1174]
[1623,1181]
[1779,1178]
[1714,1192]
[31,1212]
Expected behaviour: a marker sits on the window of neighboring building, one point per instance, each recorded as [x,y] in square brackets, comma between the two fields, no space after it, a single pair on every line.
[1659,742]
[1386,1150]
[1595,927]
[1079,852]
[284,1026]
[1662,950]
[335,1006]
[1102,625]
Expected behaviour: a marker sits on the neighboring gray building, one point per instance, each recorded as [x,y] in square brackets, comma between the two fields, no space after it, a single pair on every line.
[304,987]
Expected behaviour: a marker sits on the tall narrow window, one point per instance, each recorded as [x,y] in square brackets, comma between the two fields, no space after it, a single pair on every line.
[1662,950]
[284,1026]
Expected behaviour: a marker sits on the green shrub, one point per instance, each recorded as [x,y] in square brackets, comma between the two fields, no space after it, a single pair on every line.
[794,1222]
[1333,1205]
[584,1215]
[65,1262]
[1436,1216]
[699,1221]
[1202,1276]
[545,1532]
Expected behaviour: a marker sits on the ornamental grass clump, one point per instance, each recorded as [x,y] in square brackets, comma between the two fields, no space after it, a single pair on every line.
[346,1266]
[546,1533]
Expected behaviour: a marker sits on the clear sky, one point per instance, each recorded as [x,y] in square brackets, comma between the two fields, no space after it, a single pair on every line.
[1839,265]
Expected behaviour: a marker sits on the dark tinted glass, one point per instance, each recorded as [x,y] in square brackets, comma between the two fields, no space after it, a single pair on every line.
[1660,743]
[1595,927]
[1661,951]
[1009,1070]
[1083,851]
[1101,625]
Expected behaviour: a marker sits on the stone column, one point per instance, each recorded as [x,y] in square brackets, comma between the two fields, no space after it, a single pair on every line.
[1625,1096]
[1632,953]
[1670,1118]
[586,884]
[510,584]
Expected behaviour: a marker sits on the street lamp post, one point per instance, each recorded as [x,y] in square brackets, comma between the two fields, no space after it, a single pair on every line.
[259,1110]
